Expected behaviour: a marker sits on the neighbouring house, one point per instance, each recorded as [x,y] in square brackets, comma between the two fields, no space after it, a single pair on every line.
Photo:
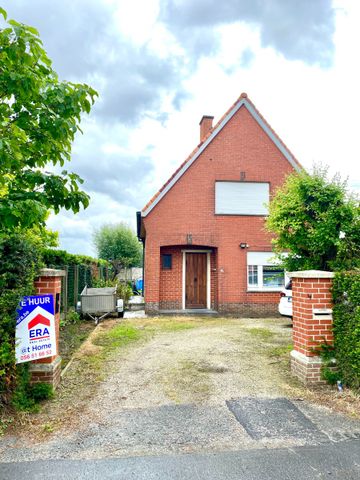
[205,245]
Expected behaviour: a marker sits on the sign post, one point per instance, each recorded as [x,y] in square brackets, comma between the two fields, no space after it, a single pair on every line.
[35,328]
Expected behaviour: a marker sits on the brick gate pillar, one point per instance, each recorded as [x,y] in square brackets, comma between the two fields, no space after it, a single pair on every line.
[48,370]
[312,322]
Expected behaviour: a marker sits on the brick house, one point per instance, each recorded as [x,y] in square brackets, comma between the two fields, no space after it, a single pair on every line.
[205,246]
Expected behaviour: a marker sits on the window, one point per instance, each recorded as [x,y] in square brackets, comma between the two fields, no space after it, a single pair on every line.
[166,261]
[241,198]
[263,274]
[273,276]
[253,275]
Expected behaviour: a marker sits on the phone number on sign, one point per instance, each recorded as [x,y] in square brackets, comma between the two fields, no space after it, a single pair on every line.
[35,356]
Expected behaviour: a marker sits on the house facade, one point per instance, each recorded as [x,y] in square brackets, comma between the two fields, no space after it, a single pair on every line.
[205,243]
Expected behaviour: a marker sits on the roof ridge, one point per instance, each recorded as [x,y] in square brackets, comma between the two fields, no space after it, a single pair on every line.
[274,133]
[243,98]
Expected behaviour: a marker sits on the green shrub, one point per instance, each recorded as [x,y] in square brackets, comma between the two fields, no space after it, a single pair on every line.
[124,289]
[19,263]
[346,327]
[72,317]
[330,376]
[102,282]
[26,397]
[21,400]
[41,391]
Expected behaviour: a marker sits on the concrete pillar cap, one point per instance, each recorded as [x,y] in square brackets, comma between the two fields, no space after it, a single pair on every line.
[311,274]
[51,272]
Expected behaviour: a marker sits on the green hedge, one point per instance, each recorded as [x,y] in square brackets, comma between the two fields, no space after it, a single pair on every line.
[54,257]
[19,263]
[346,314]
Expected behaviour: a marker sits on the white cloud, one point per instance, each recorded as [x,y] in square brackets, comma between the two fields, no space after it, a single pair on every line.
[159,71]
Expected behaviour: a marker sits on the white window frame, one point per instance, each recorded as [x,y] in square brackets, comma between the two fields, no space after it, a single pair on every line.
[261,260]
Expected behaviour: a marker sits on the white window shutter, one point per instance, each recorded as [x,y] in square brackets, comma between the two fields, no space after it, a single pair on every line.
[241,198]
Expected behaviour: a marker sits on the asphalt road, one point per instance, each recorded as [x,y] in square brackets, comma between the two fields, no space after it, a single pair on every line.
[329,461]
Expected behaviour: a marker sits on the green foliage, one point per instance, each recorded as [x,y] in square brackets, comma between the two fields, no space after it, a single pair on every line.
[19,263]
[72,317]
[346,326]
[41,391]
[39,117]
[330,376]
[21,400]
[329,370]
[59,258]
[119,245]
[26,397]
[119,336]
[102,282]
[310,215]
[262,333]
[123,289]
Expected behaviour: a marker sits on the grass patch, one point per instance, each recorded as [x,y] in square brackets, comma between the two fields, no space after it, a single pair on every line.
[280,351]
[176,326]
[118,336]
[261,333]
[96,366]
[72,335]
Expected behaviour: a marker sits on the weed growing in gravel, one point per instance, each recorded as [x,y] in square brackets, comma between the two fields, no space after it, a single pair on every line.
[262,333]
[48,427]
[5,423]
[177,326]
[280,351]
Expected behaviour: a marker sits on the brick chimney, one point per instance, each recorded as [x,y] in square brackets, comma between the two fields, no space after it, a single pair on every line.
[205,126]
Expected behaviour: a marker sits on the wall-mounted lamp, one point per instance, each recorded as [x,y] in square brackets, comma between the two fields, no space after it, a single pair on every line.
[244,245]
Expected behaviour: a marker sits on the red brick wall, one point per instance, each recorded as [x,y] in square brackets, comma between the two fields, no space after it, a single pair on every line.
[170,296]
[171,281]
[51,285]
[188,208]
[310,332]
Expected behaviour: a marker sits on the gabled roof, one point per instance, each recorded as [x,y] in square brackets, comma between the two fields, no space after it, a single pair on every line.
[243,101]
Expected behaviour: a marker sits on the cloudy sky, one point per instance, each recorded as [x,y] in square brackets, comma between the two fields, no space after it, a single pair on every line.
[159,65]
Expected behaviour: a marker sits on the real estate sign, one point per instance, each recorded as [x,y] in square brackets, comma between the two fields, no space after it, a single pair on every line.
[35,328]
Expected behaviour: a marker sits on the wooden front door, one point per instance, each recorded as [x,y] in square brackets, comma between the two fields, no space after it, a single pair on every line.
[195,289]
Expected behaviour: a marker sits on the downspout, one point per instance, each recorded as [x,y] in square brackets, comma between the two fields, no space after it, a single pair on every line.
[143,266]
[142,240]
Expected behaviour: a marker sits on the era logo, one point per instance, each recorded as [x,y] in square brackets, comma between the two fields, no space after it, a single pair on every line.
[41,331]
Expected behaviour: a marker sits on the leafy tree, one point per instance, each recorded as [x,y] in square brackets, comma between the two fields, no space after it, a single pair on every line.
[39,117]
[119,245]
[316,221]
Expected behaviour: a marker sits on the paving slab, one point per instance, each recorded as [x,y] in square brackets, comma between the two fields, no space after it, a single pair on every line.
[274,418]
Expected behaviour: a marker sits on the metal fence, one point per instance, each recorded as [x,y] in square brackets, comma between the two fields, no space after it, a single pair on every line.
[76,277]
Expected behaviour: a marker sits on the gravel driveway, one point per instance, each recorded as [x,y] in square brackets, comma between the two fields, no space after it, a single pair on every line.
[193,385]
